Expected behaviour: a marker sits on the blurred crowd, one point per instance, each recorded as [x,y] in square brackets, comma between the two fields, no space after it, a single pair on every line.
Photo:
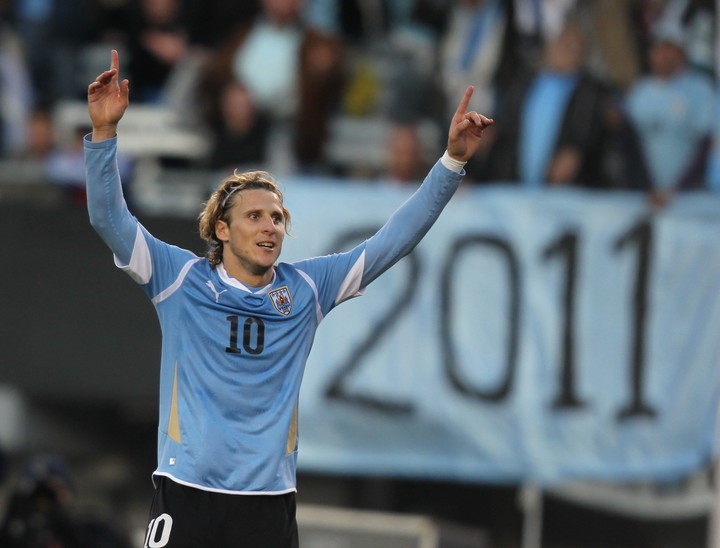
[41,511]
[590,93]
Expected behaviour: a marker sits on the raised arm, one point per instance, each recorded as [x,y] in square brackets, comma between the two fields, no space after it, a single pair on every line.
[407,226]
[466,129]
[108,98]
[109,215]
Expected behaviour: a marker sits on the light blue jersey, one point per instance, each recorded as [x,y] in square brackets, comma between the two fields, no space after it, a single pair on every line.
[233,356]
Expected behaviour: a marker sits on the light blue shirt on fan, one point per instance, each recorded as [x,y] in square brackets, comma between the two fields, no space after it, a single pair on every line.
[542,118]
[671,117]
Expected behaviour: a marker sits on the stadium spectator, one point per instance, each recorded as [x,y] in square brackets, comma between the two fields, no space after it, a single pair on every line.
[16,90]
[698,20]
[40,136]
[64,166]
[321,79]
[52,33]
[415,31]
[534,24]
[238,129]
[211,22]
[554,122]
[157,41]
[405,159]
[238,329]
[619,41]
[669,112]
[39,512]
[294,76]
[33,22]
[713,170]
[472,48]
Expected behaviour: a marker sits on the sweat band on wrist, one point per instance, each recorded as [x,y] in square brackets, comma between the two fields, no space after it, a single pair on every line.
[451,163]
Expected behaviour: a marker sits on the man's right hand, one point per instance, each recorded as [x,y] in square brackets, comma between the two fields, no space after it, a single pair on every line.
[108,98]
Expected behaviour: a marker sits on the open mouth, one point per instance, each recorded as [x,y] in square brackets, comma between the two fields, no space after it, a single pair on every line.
[266,245]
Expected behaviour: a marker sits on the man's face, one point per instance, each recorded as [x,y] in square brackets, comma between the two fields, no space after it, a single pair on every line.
[283,12]
[253,238]
[666,59]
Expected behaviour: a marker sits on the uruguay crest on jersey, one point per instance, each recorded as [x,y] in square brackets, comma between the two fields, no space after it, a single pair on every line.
[282,300]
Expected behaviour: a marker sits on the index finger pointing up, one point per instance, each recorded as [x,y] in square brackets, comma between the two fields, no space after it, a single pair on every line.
[114,60]
[464,102]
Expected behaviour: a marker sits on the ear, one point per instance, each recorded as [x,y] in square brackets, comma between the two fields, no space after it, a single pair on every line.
[222,231]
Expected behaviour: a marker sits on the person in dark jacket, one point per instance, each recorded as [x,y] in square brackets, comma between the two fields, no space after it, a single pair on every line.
[554,122]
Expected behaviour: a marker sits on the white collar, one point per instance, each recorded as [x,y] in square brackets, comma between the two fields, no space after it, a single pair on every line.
[225,277]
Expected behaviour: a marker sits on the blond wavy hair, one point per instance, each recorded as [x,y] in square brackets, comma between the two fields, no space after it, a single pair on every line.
[218,207]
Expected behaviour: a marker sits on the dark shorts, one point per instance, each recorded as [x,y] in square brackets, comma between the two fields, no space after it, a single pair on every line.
[186,517]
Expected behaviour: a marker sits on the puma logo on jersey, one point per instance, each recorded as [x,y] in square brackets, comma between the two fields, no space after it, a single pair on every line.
[215,291]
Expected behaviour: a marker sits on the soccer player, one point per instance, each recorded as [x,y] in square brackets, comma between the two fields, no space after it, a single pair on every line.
[237,330]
